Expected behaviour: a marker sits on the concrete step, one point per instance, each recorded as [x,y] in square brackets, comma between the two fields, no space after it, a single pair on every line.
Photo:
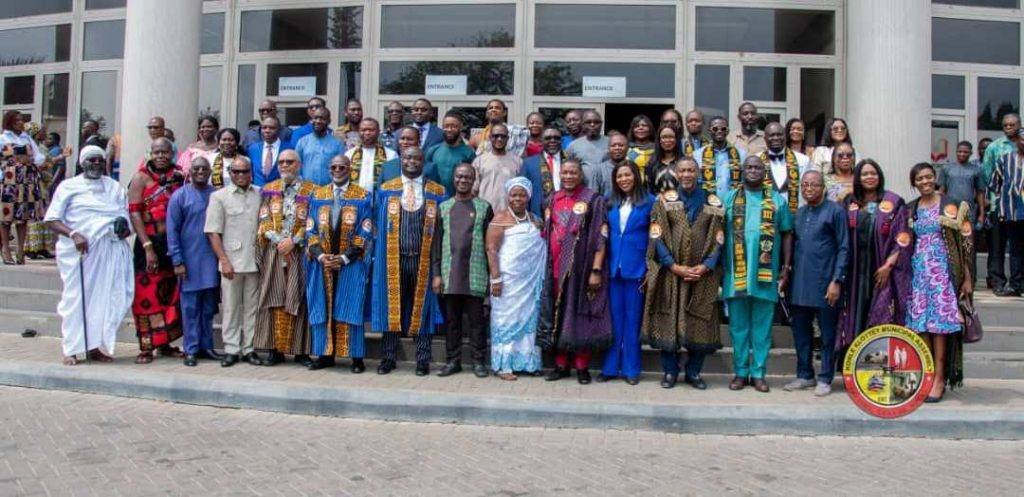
[29,299]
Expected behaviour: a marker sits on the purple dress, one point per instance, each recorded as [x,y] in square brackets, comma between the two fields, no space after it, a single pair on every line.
[933,304]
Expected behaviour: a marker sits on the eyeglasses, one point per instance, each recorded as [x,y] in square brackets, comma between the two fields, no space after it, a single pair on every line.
[239,171]
[154,127]
[95,158]
[266,110]
[844,155]
[395,111]
[339,167]
[593,122]
[552,137]
[838,128]
[286,161]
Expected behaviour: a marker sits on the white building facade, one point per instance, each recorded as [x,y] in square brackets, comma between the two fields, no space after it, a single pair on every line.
[912,77]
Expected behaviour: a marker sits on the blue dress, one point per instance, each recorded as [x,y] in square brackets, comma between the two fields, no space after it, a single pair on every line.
[933,304]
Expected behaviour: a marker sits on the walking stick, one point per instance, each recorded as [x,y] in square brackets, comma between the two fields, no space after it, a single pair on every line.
[85,320]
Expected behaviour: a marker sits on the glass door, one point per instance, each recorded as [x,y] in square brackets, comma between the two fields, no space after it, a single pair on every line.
[947,131]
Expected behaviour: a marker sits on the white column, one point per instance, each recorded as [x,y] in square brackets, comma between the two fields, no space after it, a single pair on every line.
[160,75]
[888,84]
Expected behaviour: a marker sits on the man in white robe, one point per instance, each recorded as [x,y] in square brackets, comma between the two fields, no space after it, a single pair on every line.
[90,215]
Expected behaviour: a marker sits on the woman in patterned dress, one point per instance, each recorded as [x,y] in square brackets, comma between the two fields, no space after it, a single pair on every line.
[20,197]
[940,230]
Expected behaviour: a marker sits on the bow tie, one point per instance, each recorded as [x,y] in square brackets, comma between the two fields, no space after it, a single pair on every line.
[778,156]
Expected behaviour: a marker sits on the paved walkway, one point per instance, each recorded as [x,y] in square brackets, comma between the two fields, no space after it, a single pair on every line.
[983,409]
[61,443]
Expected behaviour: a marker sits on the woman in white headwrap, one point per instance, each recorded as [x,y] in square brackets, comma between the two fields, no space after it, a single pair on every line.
[516,256]
[20,196]
[89,212]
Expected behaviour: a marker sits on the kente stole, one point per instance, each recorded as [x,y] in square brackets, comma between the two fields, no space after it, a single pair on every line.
[792,175]
[379,158]
[765,244]
[708,168]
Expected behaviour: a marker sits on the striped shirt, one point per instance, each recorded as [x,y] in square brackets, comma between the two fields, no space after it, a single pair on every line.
[1007,186]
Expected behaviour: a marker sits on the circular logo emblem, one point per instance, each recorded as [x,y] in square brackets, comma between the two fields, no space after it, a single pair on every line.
[655,231]
[580,208]
[348,217]
[671,196]
[950,210]
[903,239]
[888,371]
[885,206]
[714,201]
[854,206]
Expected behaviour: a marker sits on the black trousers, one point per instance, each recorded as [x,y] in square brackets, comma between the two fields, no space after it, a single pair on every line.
[389,347]
[457,308]
[1006,237]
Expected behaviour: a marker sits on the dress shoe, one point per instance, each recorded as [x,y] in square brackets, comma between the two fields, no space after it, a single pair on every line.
[557,374]
[357,366]
[1006,292]
[211,354]
[321,362]
[583,376]
[480,370]
[423,368]
[253,358]
[632,381]
[450,368]
[229,360]
[385,367]
[601,378]
[760,385]
[304,360]
[669,380]
[273,357]
[737,383]
[696,382]
[191,360]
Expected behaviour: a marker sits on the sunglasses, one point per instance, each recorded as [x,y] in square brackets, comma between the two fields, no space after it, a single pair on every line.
[498,136]
[239,171]
[95,159]
[339,168]
[264,111]
[552,137]
[154,127]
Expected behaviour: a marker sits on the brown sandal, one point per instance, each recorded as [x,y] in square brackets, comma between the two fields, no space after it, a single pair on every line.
[96,355]
[144,358]
[69,360]
[507,376]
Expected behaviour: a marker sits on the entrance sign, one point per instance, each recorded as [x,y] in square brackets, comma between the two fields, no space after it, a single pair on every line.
[888,371]
[296,86]
[445,85]
[594,86]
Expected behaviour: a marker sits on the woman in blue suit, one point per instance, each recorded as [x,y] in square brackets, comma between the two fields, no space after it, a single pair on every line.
[629,218]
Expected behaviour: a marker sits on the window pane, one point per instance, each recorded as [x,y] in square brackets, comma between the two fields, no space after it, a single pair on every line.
[245,107]
[483,78]
[996,98]
[817,101]
[985,42]
[945,136]
[1003,4]
[35,45]
[711,90]
[210,81]
[99,99]
[730,29]
[104,40]
[764,83]
[605,26]
[14,9]
[351,81]
[566,78]
[55,103]
[213,33]
[103,4]
[415,26]
[277,71]
[947,91]
[19,90]
[302,29]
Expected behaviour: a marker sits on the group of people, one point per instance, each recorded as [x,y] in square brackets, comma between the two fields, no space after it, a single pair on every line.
[531,239]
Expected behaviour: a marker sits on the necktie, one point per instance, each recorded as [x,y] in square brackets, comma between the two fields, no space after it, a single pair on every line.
[551,163]
[268,159]
[336,208]
[409,197]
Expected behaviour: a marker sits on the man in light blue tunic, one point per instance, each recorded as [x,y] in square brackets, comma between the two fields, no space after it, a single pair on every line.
[719,162]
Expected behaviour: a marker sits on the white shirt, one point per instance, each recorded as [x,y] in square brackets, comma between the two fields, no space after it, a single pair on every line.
[556,179]
[274,149]
[417,192]
[624,210]
[366,172]
[23,140]
[779,174]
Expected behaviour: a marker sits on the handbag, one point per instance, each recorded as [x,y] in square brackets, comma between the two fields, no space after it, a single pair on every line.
[972,325]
